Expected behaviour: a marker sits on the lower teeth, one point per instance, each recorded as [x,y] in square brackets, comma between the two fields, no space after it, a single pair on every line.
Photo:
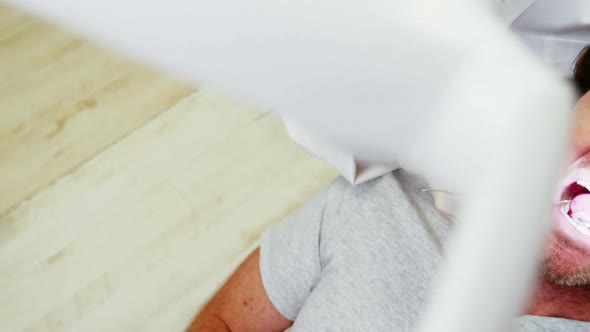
[583,222]
[581,225]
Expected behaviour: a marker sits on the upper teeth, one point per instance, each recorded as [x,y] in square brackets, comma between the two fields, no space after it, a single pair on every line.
[583,184]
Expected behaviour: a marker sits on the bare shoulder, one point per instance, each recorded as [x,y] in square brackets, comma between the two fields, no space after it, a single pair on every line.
[241,304]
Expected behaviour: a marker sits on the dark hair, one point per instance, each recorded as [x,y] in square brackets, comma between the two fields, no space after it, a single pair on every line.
[582,71]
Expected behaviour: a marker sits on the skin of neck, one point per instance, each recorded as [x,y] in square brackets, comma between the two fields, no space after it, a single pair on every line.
[553,300]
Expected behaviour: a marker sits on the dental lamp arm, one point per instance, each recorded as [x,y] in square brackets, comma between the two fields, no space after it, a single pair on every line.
[383,83]
[496,248]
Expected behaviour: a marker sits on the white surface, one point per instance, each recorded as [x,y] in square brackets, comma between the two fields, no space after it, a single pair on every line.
[556,31]
[509,10]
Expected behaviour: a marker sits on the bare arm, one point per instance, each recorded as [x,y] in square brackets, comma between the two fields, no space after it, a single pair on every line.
[241,304]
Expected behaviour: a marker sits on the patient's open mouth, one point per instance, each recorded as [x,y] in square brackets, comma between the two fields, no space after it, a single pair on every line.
[576,206]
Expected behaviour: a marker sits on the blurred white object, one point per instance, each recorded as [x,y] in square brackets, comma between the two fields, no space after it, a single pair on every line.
[360,63]
[441,88]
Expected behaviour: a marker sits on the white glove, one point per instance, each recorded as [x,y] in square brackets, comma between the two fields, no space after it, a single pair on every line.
[440,88]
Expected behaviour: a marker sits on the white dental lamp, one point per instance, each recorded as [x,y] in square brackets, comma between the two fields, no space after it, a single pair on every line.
[441,88]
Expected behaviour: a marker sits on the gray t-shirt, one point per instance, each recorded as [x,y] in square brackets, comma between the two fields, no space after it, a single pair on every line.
[362,258]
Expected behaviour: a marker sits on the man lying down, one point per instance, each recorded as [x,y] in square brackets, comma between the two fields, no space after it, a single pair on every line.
[362,258]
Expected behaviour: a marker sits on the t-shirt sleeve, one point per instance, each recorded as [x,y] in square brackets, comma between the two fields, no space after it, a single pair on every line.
[290,255]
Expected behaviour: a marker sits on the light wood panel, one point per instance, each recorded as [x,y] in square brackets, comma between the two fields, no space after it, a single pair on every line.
[63,99]
[138,237]
[126,196]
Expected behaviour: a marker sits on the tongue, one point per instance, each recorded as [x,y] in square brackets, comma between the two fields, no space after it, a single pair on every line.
[580,208]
